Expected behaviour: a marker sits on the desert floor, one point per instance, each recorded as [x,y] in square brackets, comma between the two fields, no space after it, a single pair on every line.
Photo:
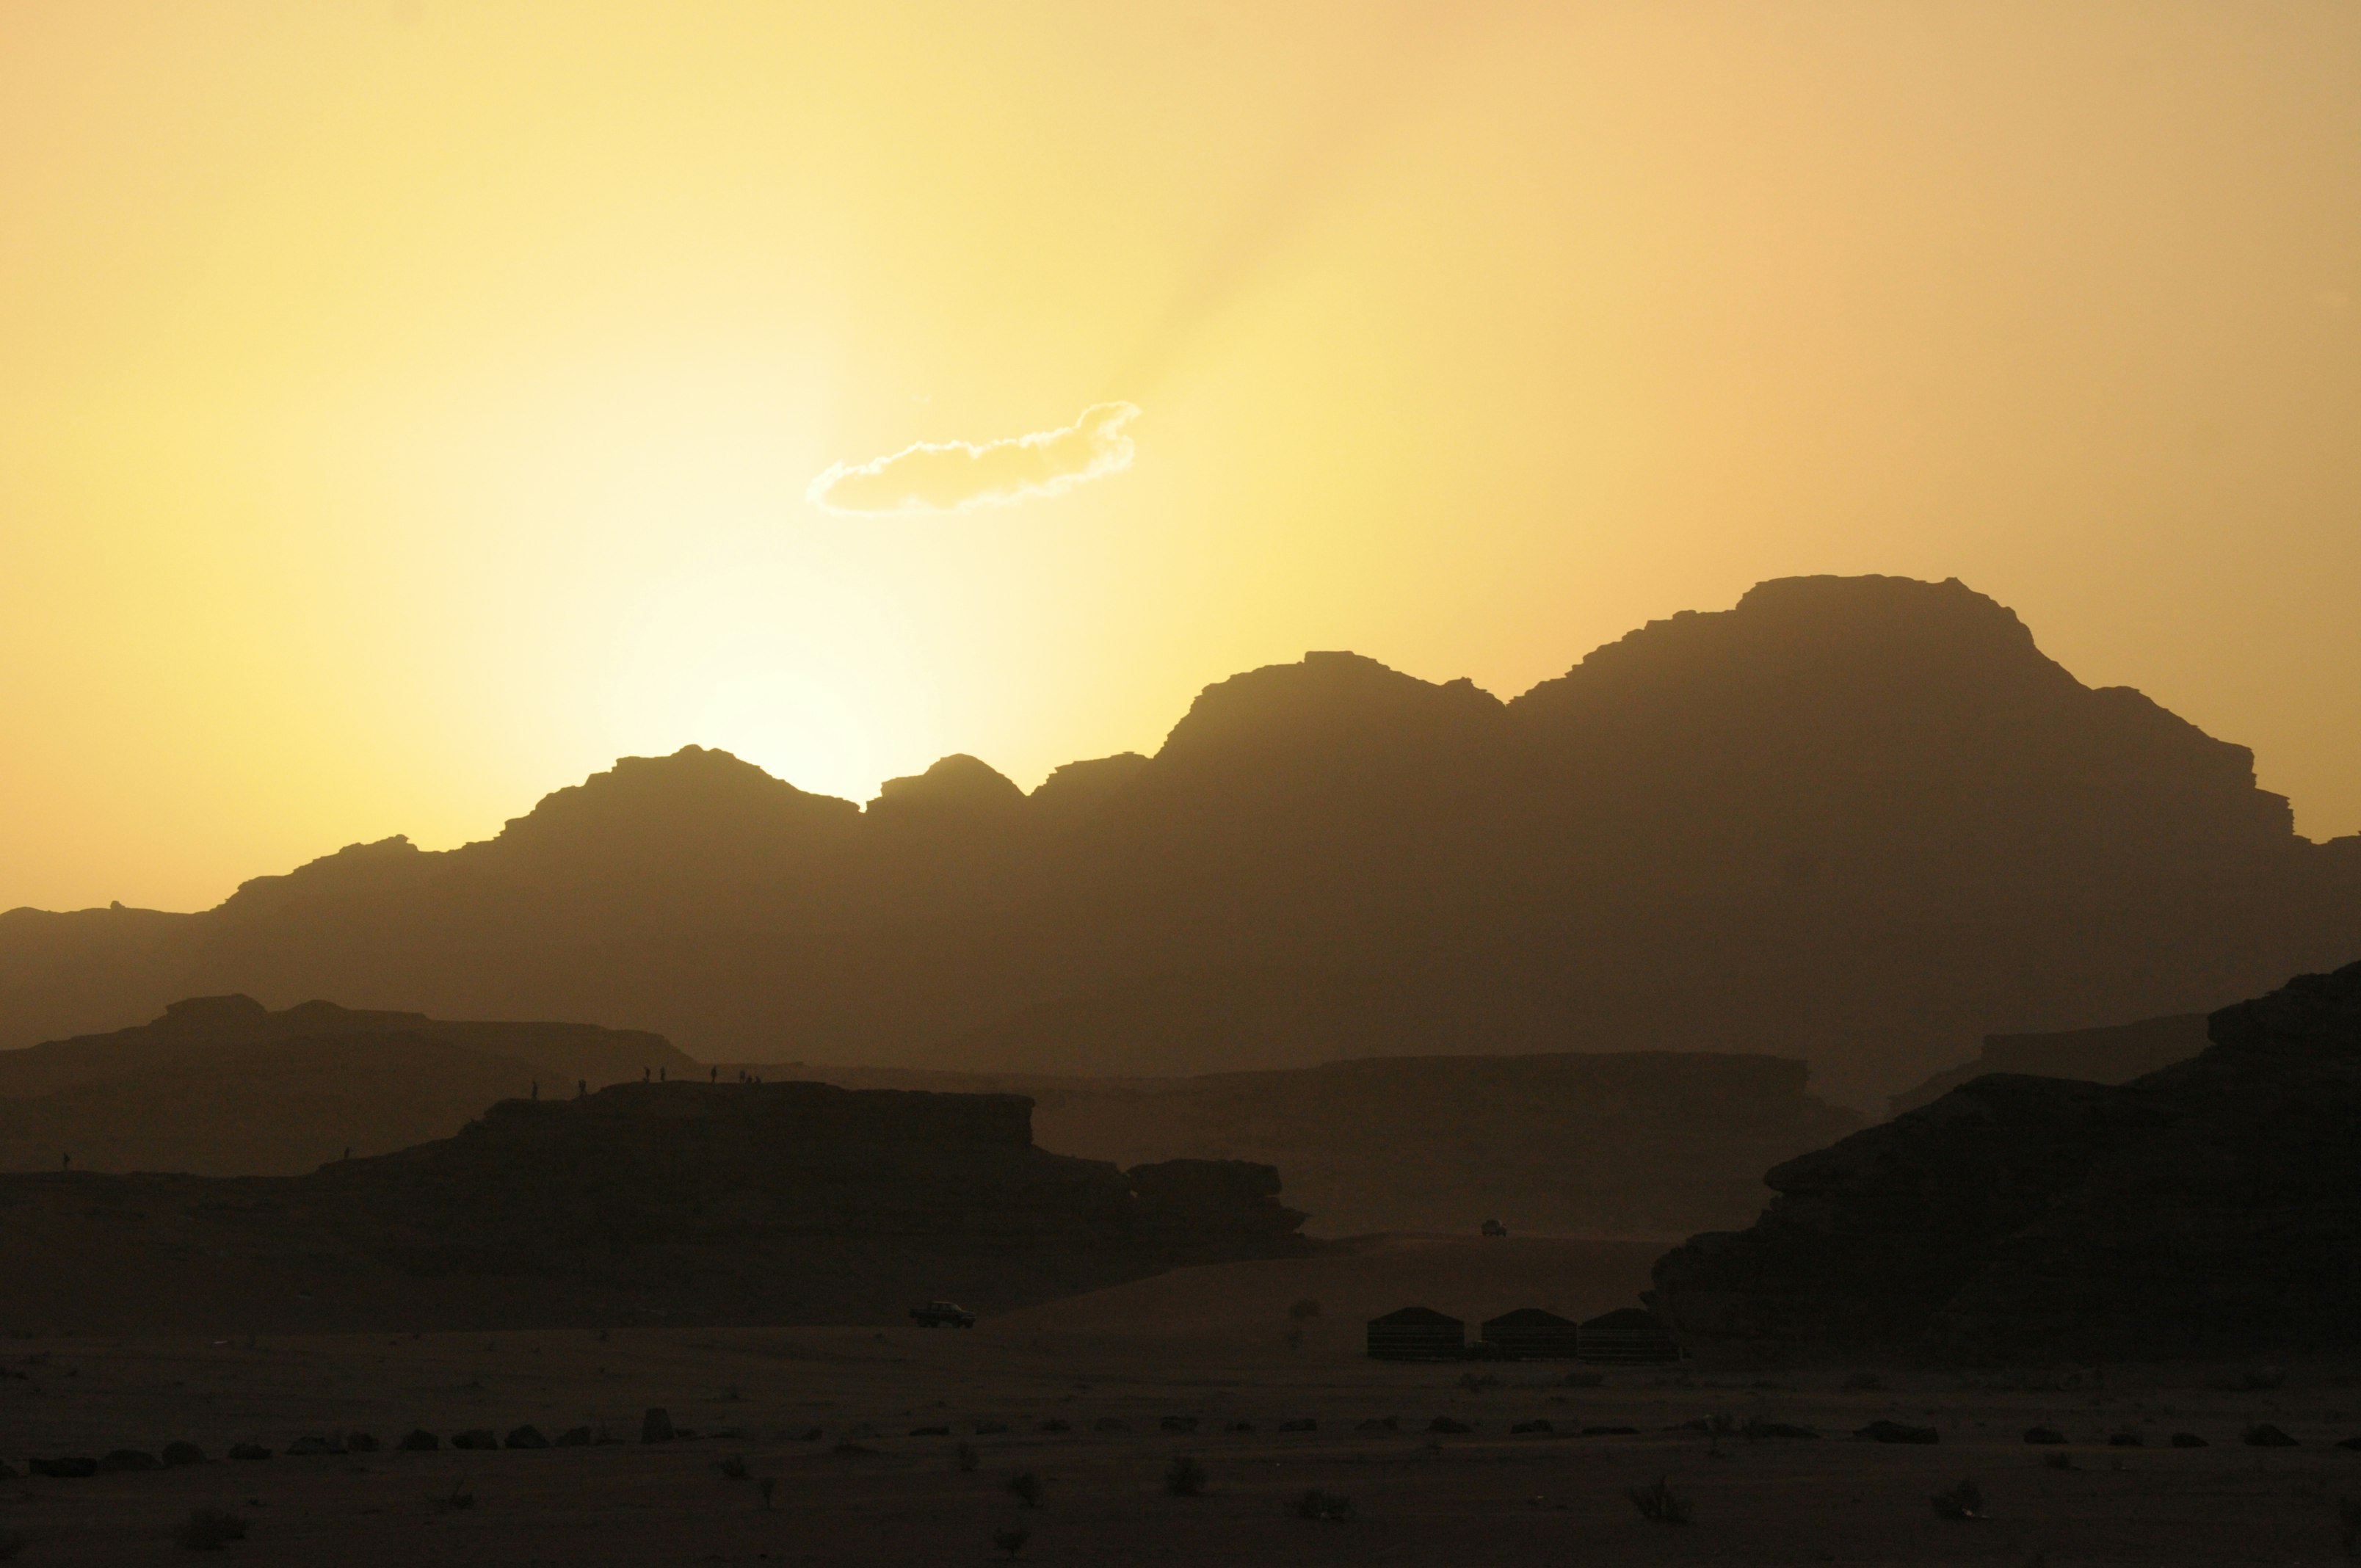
[1210,1345]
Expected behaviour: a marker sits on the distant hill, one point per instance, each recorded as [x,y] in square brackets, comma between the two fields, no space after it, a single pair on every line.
[2211,1207]
[1858,820]
[671,1203]
[2113,1055]
[221,1086]
[1614,1144]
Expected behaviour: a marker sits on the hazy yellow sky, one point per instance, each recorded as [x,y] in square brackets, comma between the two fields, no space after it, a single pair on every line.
[408,406]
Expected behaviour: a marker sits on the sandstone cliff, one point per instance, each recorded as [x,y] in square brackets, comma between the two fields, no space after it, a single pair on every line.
[2211,1208]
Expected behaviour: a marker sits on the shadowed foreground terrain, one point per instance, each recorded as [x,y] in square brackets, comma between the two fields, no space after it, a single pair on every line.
[2211,1208]
[1612,1144]
[1864,821]
[843,1445]
[673,1202]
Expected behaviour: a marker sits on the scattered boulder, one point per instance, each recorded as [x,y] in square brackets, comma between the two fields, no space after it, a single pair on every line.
[1110,1423]
[1756,1429]
[1521,1429]
[70,1468]
[2262,1435]
[177,1453]
[990,1428]
[312,1447]
[1178,1423]
[930,1432]
[420,1442]
[1054,1424]
[2351,1442]
[359,1442]
[477,1438]
[1378,1423]
[656,1425]
[8,1471]
[2126,1440]
[125,1459]
[248,1451]
[1446,1425]
[2187,1439]
[1304,1424]
[526,1436]
[1896,1431]
[574,1437]
[1610,1432]
[2044,1435]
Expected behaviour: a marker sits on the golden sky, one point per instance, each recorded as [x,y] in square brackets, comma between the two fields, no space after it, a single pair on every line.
[408,406]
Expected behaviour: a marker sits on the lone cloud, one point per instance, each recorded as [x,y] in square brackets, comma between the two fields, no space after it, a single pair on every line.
[959,476]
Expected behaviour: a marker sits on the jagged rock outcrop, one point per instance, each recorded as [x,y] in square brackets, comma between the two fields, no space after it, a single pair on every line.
[750,1204]
[221,1086]
[1861,820]
[2209,1208]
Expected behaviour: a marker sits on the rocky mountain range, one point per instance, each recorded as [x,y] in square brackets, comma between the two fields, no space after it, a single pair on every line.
[2208,1209]
[1864,821]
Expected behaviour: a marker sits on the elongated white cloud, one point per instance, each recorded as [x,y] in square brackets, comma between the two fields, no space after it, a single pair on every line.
[960,475]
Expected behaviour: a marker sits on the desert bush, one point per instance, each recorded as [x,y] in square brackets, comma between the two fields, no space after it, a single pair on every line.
[1658,1504]
[1009,1543]
[1307,1308]
[1027,1488]
[1316,1503]
[732,1466]
[1964,1501]
[210,1529]
[1184,1477]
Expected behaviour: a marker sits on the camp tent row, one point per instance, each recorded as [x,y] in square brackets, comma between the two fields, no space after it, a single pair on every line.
[1630,1336]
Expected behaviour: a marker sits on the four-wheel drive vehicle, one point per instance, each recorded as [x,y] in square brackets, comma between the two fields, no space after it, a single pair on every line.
[934,1314]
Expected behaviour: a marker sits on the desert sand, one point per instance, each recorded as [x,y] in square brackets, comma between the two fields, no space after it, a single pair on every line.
[805,1452]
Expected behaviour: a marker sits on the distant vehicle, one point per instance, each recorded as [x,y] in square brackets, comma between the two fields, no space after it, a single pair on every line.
[935,1314]
[1494,1228]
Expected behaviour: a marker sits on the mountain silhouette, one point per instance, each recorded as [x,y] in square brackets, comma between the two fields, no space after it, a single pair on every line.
[1860,820]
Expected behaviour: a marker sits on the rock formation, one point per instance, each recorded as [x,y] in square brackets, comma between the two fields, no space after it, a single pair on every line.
[1861,820]
[2114,1055]
[1647,1143]
[682,1202]
[2211,1208]
[221,1086]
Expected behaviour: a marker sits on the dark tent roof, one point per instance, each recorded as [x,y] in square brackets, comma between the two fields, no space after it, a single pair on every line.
[1624,1318]
[1409,1316]
[1529,1318]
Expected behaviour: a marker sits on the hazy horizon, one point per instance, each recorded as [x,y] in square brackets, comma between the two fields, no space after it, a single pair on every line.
[407,409]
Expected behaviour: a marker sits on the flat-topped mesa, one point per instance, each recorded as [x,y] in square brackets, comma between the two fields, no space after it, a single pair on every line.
[571,1184]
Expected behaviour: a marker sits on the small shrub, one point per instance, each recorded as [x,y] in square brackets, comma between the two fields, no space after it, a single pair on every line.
[1027,1488]
[1307,1308]
[1964,1501]
[966,1458]
[1316,1503]
[210,1529]
[1009,1543]
[733,1467]
[1658,1504]
[1184,1477]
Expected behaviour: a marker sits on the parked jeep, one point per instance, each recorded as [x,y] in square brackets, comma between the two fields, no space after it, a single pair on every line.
[935,1314]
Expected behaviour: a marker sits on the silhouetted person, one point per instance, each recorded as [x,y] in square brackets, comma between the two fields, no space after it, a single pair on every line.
[536,1089]
[348,1151]
[713,1074]
[660,1075]
[643,1075]
[581,1087]
[67,1160]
